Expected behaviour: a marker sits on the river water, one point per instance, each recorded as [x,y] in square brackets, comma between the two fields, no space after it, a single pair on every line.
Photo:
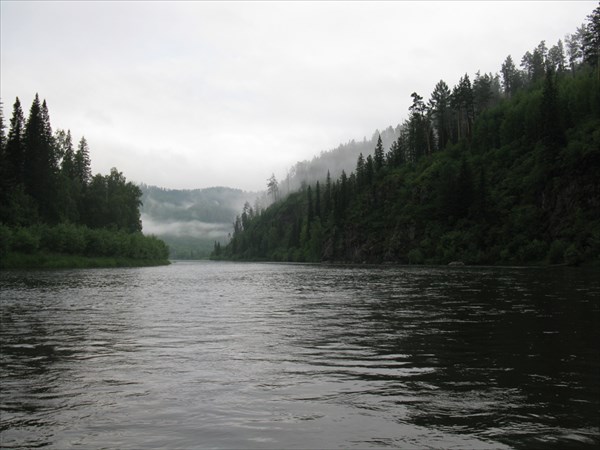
[228,355]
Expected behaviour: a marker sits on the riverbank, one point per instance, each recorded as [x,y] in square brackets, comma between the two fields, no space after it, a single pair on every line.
[46,260]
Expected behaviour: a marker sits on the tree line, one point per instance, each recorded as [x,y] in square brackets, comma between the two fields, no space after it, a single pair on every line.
[501,169]
[46,183]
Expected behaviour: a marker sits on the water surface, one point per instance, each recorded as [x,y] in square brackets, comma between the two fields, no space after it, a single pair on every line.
[227,355]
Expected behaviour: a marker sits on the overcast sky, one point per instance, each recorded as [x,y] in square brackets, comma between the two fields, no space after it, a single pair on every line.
[200,94]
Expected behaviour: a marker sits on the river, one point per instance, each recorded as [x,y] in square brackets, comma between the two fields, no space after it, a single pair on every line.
[231,355]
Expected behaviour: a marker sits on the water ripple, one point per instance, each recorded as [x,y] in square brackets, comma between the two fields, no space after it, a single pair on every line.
[222,355]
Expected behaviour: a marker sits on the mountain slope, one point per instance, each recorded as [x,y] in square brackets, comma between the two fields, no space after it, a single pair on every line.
[516,183]
[190,221]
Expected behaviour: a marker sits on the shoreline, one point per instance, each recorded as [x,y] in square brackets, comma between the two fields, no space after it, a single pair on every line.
[20,261]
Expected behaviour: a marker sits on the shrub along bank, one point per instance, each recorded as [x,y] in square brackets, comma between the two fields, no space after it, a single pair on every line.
[69,245]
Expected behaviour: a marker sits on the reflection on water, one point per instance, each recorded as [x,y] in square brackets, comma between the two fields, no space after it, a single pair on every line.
[270,356]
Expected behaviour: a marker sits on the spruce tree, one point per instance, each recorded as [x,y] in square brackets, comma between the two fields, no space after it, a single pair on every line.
[318,200]
[327,194]
[310,211]
[439,104]
[83,171]
[40,161]
[65,143]
[4,183]
[591,41]
[378,158]
[2,132]
[509,77]
[15,146]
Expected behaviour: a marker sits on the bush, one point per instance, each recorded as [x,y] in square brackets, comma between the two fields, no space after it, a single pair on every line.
[533,251]
[26,240]
[5,240]
[572,255]
[556,252]
[415,256]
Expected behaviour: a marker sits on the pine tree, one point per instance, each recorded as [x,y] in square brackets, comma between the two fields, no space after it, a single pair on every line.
[573,44]
[318,200]
[462,102]
[510,77]
[378,156]
[2,132]
[556,57]
[591,41]
[310,210]
[439,103]
[327,195]
[15,146]
[4,182]
[360,170]
[83,170]
[273,188]
[482,92]
[40,162]
[65,144]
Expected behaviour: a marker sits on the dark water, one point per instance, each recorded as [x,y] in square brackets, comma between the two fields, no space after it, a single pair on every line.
[230,355]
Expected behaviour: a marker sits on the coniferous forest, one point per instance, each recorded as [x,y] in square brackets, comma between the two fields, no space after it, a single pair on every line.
[53,212]
[498,169]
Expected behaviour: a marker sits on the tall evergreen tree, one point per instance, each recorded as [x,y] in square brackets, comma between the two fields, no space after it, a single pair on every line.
[2,128]
[482,92]
[378,156]
[462,102]
[318,200]
[419,139]
[591,41]
[439,103]
[82,161]
[310,211]
[360,170]
[40,161]
[327,196]
[15,146]
[573,43]
[4,182]
[64,143]
[556,57]
[273,188]
[510,77]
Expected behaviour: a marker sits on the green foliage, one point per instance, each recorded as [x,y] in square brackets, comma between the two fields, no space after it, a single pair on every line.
[78,240]
[50,205]
[519,185]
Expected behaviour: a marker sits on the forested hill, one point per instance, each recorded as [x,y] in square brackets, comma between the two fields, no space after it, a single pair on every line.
[53,212]
[342,158]
[500,170]
[190,221]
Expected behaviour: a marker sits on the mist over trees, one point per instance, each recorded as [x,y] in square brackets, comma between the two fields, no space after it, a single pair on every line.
[500,168]
[190,221]
[49,200]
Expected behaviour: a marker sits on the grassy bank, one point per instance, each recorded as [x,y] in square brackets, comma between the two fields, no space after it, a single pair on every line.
[45,260]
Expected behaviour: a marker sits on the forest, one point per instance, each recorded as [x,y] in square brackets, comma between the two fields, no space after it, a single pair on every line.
[53,212]
[499,169]
[190,220]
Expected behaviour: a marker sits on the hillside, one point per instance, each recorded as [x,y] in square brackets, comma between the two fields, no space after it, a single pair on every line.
[335,161]
[494,171]
[190,221]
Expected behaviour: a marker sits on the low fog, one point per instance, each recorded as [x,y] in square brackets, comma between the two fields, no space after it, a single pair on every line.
[190,228]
